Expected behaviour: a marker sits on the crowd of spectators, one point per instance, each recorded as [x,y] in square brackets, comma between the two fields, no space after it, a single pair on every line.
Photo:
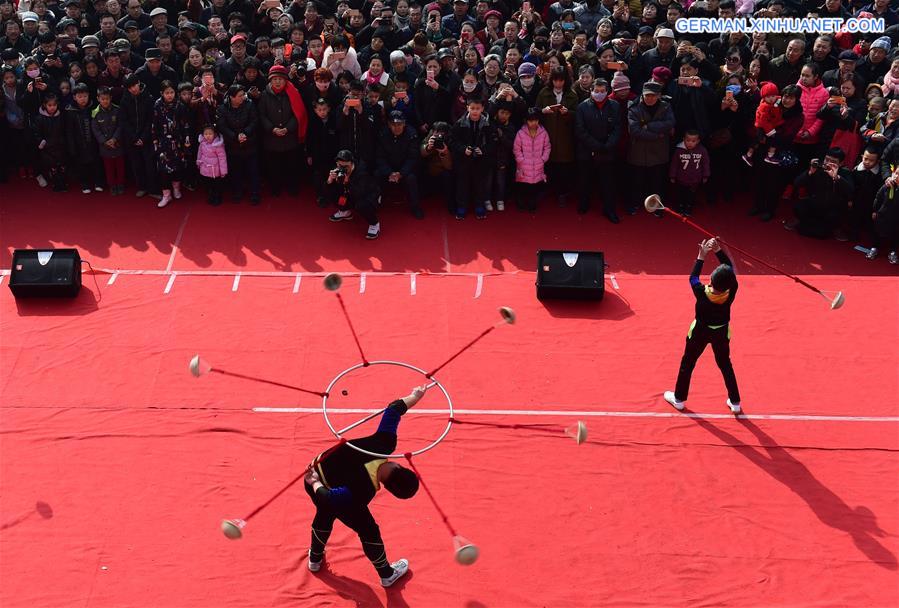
[480,103]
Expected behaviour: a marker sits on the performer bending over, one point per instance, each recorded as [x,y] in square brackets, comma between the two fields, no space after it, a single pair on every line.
[711,326]
[342,481]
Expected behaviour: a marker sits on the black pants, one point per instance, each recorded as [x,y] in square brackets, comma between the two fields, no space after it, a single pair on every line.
[214,188]
[528,195]
[90,174]
[645,181]
[243,174]
[359,521]
[410,184]
[700,336]
[686,197]
[471,177]
[560,177]
[816,217]
[592,176]
[142,162]
[281,167]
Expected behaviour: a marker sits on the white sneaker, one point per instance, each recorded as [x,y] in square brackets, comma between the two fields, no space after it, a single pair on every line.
[374,231]
[98,188]
[734,408]
[488,206]
[85,191]
[339,216]
[400,568]
[500,206]
[893,258]
[872,253]
[314,566]
[165,200]
[670,398]
[41,181]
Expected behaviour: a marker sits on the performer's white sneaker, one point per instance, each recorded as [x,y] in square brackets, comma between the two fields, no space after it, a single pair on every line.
[314,566]
[734,408]
[400,568]
[670,398]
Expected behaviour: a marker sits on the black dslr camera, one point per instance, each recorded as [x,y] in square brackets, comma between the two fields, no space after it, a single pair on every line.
[439,142]
[340,172]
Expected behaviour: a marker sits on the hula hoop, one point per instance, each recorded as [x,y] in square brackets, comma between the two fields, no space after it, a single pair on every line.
[449,401]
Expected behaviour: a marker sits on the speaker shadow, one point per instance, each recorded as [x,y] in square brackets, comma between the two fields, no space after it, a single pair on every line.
[613,307]
[84,303]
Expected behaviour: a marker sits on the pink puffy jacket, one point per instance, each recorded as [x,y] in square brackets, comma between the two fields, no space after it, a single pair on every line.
[211,159]
[812,100]
[531,154]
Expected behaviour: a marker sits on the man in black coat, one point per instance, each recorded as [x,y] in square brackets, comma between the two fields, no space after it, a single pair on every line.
[597,129]
[238,123]
[80,139]
[829,188]
[351,189]
[154,72]
[136,118]
[397,159]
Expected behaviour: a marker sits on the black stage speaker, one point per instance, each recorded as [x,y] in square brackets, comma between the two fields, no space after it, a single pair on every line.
[45,272]
[571,275]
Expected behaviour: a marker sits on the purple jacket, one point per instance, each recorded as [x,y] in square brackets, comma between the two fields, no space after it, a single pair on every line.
[531,154]
[689,167]
[211,159]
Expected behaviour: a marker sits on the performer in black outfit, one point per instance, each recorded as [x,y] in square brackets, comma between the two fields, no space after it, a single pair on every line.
[711,326]
[342,481]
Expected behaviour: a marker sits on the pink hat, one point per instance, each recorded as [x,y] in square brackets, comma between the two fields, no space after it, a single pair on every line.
[277,70]
[661,73]
[769,88]
[620,82]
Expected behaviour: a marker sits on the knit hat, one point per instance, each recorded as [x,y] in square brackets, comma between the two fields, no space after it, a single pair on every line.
[620,82]
[277,70]
[661,73]
[882,43]
[769,88]
[527,69]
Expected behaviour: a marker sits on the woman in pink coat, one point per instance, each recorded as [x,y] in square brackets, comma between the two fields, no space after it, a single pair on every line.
[213,164]
[812,98]
[531,151]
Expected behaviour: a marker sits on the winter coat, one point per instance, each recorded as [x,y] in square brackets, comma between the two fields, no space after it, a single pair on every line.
[79,135]
[812,99]
[358,133]
[153,83]
[476,135]
[136,117]
[433,105]
[597,130]
[105,125]
[689,167]
[693,108]
[886,206]
[232,121]
[768,116]
[531,155]
[560,127]
[171,135]
[397,153]
[503,138]
[51,129]
[650,134]
[275,112]
[321,144]
[211,158]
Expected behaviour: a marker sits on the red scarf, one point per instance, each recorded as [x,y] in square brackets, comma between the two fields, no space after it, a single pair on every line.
[298,108]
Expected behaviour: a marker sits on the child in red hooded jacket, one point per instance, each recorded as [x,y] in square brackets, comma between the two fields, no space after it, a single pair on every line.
[768,117]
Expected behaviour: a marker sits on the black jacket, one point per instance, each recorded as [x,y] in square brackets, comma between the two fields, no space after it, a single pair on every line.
[358,132]
[233,121]
[275,112]
[597,130]
[51,129]
[79,134]
[466,134]
[397,153]
[321,141]
[136,117]
[153,84]
[709,313]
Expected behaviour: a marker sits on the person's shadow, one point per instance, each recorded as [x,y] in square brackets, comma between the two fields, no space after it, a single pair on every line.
[860,523]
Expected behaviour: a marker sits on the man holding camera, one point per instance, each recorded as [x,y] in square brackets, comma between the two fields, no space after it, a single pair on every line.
[350,189]
[397,159]
[829,188]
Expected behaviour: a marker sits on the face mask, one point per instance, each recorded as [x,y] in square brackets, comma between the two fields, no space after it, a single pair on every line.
[598,97]
[734,88]
[527,81]
[33,73]
[567,25]
[468,87]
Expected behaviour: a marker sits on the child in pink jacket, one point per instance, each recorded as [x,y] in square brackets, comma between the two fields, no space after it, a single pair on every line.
[531,149]
[212,163]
